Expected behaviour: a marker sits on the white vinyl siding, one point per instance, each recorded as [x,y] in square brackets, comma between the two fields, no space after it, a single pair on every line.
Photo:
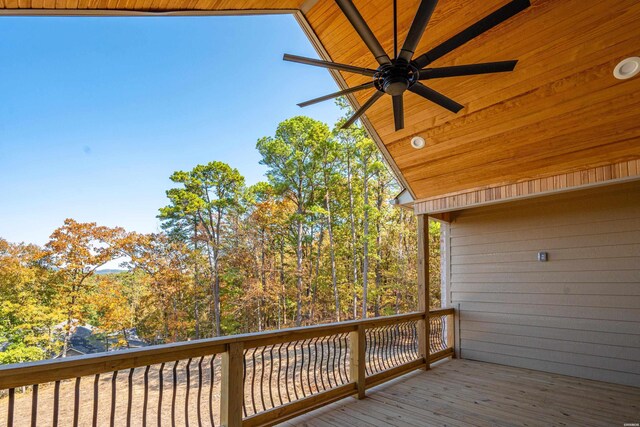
[577,314]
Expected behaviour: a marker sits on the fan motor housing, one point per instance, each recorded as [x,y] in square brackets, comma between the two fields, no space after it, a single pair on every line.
[395,78]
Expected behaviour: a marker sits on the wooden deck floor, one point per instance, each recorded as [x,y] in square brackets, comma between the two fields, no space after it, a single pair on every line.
[463,393]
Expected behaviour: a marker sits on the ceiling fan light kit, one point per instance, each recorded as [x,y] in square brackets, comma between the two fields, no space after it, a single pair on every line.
[394,76]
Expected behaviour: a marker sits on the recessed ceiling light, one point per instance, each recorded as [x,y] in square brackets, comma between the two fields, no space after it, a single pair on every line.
[627,68]
[417,142]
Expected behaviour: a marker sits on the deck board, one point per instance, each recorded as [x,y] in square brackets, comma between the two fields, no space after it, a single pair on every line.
[465,392]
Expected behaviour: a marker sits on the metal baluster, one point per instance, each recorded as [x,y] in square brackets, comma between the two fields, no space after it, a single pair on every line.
[345,358]
[390,346]
[286,373]
[393,330]
[380,349]
[186,398]
[302,381]
[253,381]
[12,399]
[408,341]
[199,391]
[386,362]
[278,376]
[145,399]
[383,347]
[324,387]
[34,406]
[175,392]
[402,345]
[264,406]
[414,339]
[271,375]
[315,362]
[374,350]
[112,421]
[432,327]
[340,355]
[211,381]
[160,390]
[328,365]
[333,360]
[295,362]
[130,396]
[367,351]
[76,403]
[56,402]
[96,385]
[244,380]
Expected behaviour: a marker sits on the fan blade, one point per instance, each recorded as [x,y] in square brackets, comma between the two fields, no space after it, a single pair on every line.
[330,65]
[336,94]
[485,24]
[395,29]
[363,30]
[362,109]
[417,28]
[467,70]
[398,112]
[436,97]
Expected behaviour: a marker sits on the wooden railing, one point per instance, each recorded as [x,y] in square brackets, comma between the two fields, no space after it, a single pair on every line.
[249,380]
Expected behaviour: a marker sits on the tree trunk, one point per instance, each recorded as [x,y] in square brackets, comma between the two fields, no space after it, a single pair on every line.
[353,238]
[299,272]
[263,280]
[332,255]
[282,285]
[196,277]
[365,243]
[314,291]
[379,200]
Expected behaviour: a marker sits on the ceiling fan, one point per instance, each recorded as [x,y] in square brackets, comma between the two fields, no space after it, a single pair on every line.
[402,73]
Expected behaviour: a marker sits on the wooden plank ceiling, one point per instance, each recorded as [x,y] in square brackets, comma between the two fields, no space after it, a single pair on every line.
[560,111]
[154,5]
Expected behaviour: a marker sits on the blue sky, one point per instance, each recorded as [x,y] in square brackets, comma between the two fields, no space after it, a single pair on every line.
[96,113]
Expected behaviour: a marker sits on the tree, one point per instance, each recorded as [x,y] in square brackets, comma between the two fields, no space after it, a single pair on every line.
[329,158]
[167,285]
[27,314]
[75,251]
[293,162]
[210,196]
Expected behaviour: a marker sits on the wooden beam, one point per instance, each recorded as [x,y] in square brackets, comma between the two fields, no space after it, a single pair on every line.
[293,409]
[232,386]
[357,360]
[423,287]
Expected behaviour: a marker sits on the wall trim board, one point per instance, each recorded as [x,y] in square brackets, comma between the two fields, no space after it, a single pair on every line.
[571,181]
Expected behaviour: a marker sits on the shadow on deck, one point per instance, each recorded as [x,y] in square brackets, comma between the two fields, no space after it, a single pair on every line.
[464,392]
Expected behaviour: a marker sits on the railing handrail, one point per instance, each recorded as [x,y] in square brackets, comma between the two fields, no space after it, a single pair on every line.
[25,374]
[441,311]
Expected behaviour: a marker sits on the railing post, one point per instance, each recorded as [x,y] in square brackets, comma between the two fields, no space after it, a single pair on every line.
[357,371]
[423,286]
[232,386]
